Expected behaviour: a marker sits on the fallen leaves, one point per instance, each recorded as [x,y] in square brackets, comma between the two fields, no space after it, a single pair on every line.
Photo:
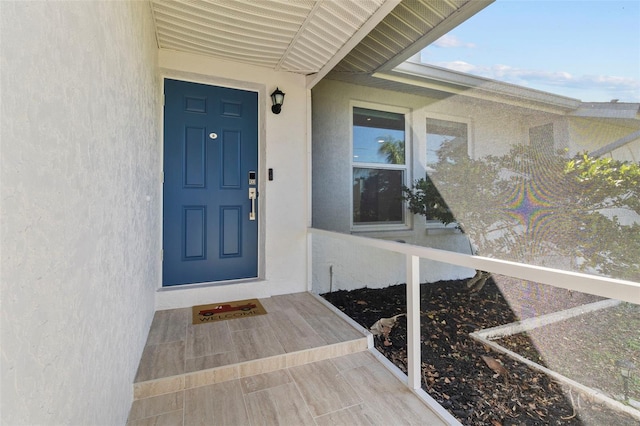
[495,365]
[454,371]
[383,327]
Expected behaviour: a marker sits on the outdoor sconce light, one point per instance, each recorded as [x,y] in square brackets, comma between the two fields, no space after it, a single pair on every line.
[277,98]
[626,367]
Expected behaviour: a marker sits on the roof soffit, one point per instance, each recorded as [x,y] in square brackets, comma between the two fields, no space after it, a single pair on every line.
[410,27]
[294,36]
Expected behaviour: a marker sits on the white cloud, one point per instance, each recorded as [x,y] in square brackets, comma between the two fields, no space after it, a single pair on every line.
[625,88]
[448,40]
[460,66]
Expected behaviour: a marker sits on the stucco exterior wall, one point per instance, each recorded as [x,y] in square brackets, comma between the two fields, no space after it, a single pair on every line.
[341,265]
[283,146]
[593,134]
[493,129]
[79,187]
[629,152]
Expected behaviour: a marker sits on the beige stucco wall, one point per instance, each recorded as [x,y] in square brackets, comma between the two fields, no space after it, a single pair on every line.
[356,266]
[592,134]
[493,129]
[343,265]
[283,146]
[80,166]
[628,152]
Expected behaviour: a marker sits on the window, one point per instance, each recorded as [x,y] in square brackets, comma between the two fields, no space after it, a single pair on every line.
[379,167]
[446,141]
[447,144]
[541,138]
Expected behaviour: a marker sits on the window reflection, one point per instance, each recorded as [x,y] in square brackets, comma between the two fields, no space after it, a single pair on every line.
[379,159]
[378,137]
[446,140]
[377,196]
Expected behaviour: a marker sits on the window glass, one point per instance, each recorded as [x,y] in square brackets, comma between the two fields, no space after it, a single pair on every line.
[446,140]
[377,196]
[541,137]
[378,137]
[379,167]
[447,145]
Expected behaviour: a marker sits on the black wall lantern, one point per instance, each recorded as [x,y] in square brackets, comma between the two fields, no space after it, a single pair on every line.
[277,98]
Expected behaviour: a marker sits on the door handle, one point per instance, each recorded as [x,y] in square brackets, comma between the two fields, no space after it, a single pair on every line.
[253,194]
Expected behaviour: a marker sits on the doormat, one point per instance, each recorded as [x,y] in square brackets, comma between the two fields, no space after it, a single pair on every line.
[227,310]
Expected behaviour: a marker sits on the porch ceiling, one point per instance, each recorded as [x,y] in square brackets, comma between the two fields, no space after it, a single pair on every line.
[295,36]
[306,36]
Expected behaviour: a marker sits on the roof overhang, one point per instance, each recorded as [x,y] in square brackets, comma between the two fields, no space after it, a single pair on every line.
[299,37]
[621,113]
[409,28]
[311,37]
[450,82]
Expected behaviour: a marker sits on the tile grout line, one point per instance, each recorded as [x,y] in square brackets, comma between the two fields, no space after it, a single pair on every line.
[184,405]
[244,402]
[186,341]
[300,357]
[306,403]
[184,369]
[339,349]
[179,384]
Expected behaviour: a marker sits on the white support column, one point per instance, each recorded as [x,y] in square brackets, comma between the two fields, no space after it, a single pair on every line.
[414,361]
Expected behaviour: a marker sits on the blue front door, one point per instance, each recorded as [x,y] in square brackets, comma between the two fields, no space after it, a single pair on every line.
[210,230]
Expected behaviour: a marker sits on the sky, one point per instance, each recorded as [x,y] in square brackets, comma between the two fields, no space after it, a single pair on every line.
[588,50]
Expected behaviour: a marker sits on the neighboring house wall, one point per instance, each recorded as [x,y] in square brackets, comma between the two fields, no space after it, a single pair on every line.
[590,134]
[629,152]
[283,142]
[79,193]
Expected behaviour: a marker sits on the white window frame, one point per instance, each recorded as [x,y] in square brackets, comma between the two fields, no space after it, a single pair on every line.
[406,167]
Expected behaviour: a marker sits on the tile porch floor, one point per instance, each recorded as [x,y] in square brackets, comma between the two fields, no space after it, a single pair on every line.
[300,364]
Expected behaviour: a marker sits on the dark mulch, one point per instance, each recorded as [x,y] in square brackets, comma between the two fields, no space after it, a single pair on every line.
[453,370]
[587,347]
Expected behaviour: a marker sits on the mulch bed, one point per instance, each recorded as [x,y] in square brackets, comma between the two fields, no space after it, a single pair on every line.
[454,371]
[586,348]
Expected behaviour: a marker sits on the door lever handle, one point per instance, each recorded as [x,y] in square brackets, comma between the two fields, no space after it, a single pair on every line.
[253,194]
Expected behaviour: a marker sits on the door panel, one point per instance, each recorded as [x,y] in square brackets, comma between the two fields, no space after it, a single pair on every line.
[210,146]
[195,165]
[231,154]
